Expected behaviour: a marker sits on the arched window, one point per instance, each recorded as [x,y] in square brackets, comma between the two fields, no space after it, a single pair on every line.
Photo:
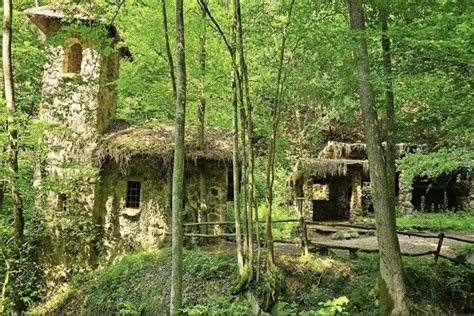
[74,59]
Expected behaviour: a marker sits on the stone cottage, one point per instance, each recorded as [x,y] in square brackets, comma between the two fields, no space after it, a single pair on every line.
[105,184]
[336,185]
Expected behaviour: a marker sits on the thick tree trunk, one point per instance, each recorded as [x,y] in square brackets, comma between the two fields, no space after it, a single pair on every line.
[392,291]
[270,172]
[235,150]
[389,107]
[178,167]
[168,47]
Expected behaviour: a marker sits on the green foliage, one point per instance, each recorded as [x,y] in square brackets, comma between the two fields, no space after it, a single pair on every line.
[334,307]
[435,164]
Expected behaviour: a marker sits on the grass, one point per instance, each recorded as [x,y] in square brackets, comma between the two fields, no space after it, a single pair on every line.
[139,285]
[459,221]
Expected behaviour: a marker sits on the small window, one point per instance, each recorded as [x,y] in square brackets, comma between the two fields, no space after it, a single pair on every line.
[133,194]
[74,59]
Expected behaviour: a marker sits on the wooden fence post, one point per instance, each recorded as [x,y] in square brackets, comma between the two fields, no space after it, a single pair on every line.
[440,243]
[304,230]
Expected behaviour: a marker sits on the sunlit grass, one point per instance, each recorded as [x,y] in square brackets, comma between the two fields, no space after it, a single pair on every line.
[438,221]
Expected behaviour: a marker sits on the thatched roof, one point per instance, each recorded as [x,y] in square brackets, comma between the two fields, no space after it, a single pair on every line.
[337,158]
[323,169]
[339,150]
[123,142]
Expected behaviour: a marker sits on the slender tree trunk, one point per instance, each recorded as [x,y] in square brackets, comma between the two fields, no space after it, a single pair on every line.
[11,125]
[392,291]
[270,172]
[6,283]
[231,47]
[235,150]
[201,114]
[168,47]
[247,119]
[389,107]
[18,220]
[202,63]
[244,181]
[178,167]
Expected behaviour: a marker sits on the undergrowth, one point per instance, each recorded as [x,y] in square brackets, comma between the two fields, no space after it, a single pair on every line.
[312,285]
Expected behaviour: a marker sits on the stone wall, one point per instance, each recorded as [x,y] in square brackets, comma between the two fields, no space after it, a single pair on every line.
[78,106]
[355,211]
[405,194]
[124,228]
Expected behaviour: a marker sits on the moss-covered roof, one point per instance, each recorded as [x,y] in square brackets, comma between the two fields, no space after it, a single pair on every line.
[122,142]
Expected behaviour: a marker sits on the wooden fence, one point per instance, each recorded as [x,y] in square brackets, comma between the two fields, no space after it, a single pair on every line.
[305,243]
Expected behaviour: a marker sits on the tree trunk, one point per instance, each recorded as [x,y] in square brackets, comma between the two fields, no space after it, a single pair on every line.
[202,63]
[235,151]
[178,167]
[389,107]
[235,135]
[11,125]
[18,220]
[250,157]
[392,291]
[270,172]
[168,47]
[202,209]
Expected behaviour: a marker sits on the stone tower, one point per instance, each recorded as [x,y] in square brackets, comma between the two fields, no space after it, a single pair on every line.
[79,101]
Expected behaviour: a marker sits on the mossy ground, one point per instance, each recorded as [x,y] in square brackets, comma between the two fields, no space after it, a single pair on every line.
[139,284]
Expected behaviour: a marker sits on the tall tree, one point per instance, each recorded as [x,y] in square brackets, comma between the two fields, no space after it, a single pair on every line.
[392,291]
[202,80]
[235,148]
[169,55]
[389,105]
[11,124]
[18,219]
[275,116]
[247,142]
[178,167]
[201,116]
[231,47]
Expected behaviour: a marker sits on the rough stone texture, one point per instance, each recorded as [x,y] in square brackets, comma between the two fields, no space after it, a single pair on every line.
[404,203]
[308,199]
[124,228]
[78,106]
[356,197]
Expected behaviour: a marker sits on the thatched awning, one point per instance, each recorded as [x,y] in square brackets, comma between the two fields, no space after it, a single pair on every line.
[339,150]
[326,168]
[126,142]
[337,158]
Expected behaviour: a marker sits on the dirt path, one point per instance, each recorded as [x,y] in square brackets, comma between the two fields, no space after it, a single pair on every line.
[364,239]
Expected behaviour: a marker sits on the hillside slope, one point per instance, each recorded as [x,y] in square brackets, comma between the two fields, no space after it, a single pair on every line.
[139,284]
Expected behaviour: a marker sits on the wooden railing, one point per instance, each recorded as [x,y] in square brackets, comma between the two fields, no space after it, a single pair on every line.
[305,242]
